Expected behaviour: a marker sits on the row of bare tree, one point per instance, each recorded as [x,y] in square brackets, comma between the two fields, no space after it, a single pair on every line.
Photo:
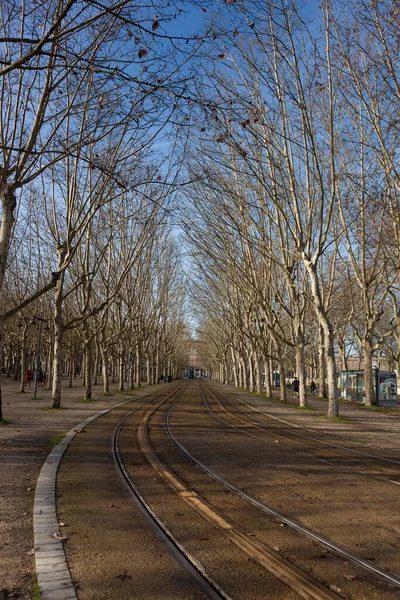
[86,89]
[297,189]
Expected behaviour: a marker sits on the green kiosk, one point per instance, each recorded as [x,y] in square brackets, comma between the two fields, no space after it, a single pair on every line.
[352,387]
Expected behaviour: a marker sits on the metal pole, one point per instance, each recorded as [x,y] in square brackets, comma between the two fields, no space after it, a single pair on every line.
[37,358]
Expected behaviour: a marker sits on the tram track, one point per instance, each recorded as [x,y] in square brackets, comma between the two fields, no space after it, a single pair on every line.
[299,581]
[209,586]
[384,574]
[302,583]
[327,447]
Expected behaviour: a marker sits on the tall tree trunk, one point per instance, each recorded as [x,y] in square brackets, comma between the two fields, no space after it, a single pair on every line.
[23,359]
[71,368]
[148,373]
[368,373]
[104,360]
[157,374]
[138,367]
[96,366]
[121,370]
[282,377]
[323,391]
[88,362]
[58,340]
[267,378]
[250,362]
[300,368]
[257,363]
[234,367]
[324,321]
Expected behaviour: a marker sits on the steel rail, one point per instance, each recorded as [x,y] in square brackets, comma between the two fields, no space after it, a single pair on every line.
[388,576]
[263,426]
[291,426]
[305,585]
[189,562]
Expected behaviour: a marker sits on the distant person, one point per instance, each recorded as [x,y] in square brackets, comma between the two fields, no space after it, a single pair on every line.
[313,387]
[295,386]
[28,377]
[40,377]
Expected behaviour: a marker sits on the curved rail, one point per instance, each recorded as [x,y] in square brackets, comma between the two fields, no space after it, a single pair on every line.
[388,576]
[189,562]
[301,582]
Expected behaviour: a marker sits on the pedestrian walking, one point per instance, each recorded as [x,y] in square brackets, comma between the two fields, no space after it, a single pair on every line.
[313,387]
[28,377]
[40,377]
[295,386]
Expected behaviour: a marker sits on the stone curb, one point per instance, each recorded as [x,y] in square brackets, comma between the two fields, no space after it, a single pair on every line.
[52,571]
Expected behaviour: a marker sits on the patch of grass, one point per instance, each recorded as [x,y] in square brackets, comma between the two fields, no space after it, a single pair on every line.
[338,419]
[5,422]
[36,592]
[380,408]
[105,394]
[304,408]
[87,400]
[55,440]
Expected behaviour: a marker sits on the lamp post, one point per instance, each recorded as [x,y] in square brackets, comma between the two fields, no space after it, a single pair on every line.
[33,322]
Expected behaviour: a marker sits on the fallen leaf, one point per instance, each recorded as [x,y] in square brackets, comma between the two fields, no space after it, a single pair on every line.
[334,588]
[222,55]
[58,537]
[351,577]
[28,489]
[108,505]
[276,441]
[61,524]
[32,551]
[276,548]
[282,524]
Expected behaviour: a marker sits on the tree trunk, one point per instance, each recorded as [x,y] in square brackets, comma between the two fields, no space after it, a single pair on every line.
[234,363]
[300,369]
[58,339]
[325,323]
[267,378]
[138,367]
[252,385]
[148,369]
[106,382]
[282,377]
[257,363]
[121,370]
[23,359]
[368,373]
[96,366]
[88,363]
[323,392]
[71,368]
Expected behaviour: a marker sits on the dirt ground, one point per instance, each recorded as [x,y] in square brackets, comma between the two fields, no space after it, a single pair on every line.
[24,444]
[34,428]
